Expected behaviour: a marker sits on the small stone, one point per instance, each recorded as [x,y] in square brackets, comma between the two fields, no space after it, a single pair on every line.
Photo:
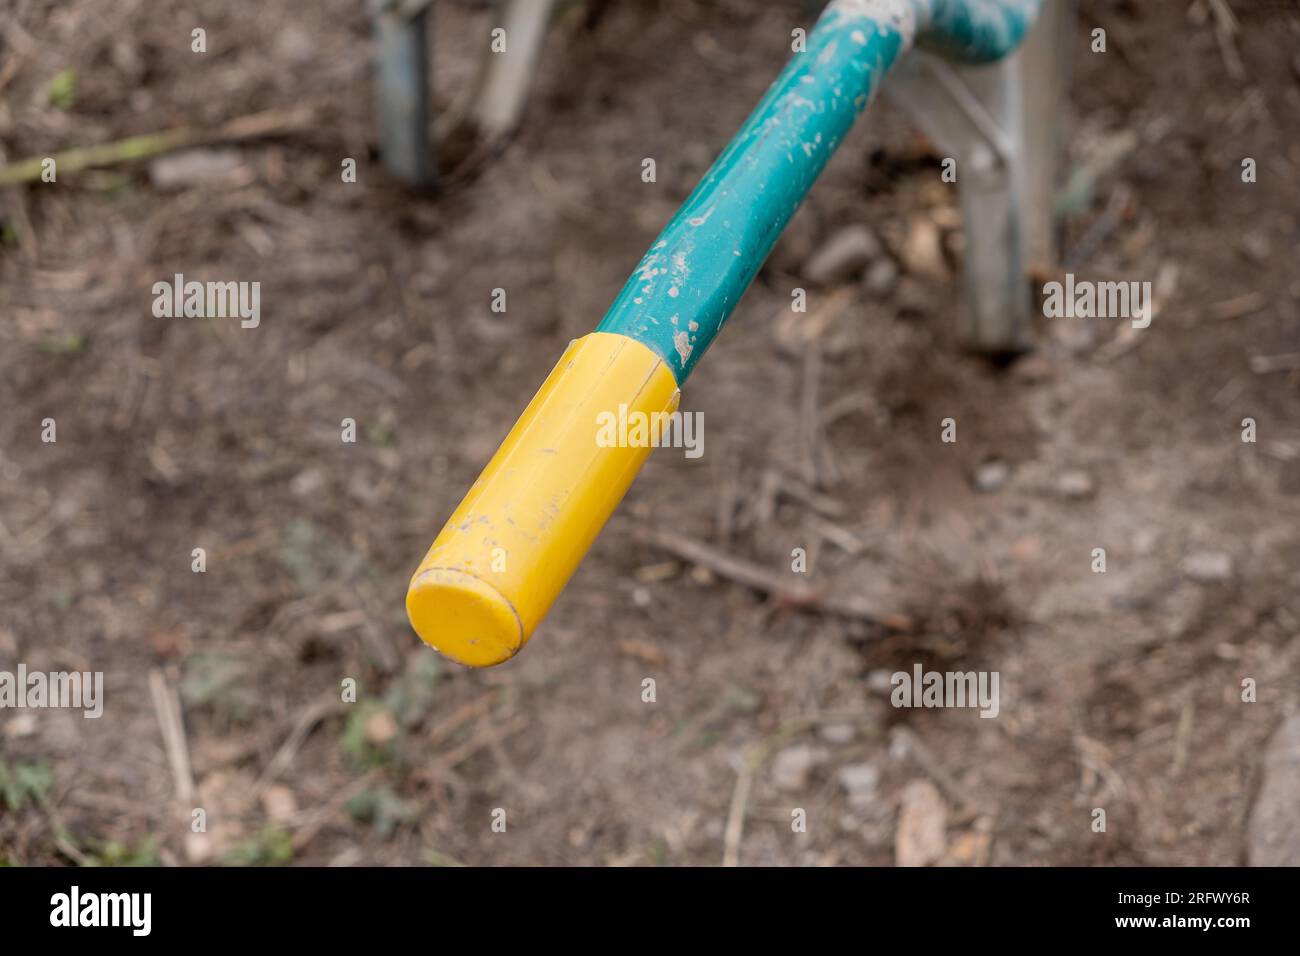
[20,725]
[1033,369]
[791,767]
[1145,541]
[1075,484]
[861,781]
[1208,567]
[198,847]
[194,167]
[880,682]
[923,250]
[991,476]
[843,256]
[307,482]
[882,278]
[380,728]
[279,803]
[836,734]
[1273,833]
[1256,246]
[922,825]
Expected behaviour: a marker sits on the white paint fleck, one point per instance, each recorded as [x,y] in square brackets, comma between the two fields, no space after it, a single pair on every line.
[682,342]
[701,220]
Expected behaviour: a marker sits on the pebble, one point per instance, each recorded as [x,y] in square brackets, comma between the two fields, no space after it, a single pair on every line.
[1208,567]
[1075,484]
[991,476]
[194,167]
[861,781]
[922,825]
[882,278]
[836,734]
[1273,832]
[923,250]
[843,256]
[791,767]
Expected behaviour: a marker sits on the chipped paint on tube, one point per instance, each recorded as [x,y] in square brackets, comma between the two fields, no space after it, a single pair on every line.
[690,281]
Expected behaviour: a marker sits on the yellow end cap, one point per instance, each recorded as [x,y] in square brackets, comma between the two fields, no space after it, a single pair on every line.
[520,532]
[469,620]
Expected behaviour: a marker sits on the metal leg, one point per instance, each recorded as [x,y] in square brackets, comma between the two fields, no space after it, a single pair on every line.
[1045,72]
[974,115]
[402,70]
[508,76]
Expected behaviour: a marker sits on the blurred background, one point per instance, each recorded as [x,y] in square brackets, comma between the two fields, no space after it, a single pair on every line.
[1119,690]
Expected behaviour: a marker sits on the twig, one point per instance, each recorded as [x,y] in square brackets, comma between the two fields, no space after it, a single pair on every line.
[911,744]
[760,579]
[289,749]
[313,825]
[485,738]
[147,145]
[1183,738]
[1238,306]
[736,815]
[167,707]
[460,716]
[1283,362]
[809,419]
[1225,28]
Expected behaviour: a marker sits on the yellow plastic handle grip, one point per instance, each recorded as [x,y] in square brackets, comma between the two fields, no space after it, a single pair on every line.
[507,551]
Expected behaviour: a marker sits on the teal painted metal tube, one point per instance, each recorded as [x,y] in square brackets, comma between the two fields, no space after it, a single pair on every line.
[978,31]
[690,281]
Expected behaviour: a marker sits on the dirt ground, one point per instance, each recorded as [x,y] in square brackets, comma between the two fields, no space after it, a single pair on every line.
[1120,690]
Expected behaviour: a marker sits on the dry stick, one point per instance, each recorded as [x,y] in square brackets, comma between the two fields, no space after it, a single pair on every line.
[736,815]
[335,806]
[1282,362]
[167,707]
[1237,307]
[917,749]
[809,418]
[147,145]
[289,749]
[461,715]
[760,579]
[1225,28]
[485,738]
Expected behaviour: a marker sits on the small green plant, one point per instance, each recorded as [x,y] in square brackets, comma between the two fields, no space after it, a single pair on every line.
[363,747]
[115,853]
[221,682]
[21,782]
[63,90]
[270,846]
[62,343]
[382,808]
[434,857]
